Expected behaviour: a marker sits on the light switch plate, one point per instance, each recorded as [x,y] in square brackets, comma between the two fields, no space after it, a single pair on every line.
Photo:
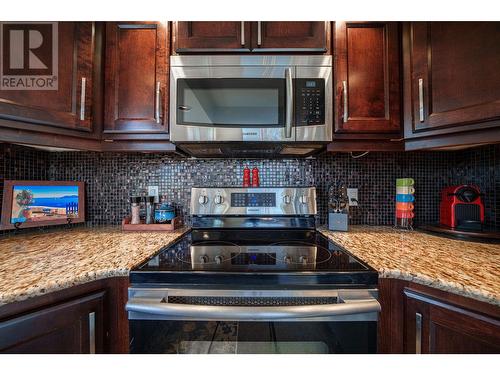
[154,191]
[352,194]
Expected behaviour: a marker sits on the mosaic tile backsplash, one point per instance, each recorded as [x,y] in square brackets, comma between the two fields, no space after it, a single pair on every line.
[111,177]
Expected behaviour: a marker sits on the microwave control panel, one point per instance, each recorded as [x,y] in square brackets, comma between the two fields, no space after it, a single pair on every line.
[309,101]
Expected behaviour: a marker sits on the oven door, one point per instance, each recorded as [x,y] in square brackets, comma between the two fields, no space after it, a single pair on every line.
[248,321]
[232,103]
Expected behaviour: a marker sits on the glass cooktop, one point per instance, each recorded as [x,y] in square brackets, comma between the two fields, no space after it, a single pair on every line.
[253,251]
[254,257]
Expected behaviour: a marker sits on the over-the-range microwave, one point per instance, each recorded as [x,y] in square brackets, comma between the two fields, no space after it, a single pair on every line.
[250,105]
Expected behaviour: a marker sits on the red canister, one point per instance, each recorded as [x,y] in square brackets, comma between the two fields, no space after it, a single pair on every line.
[255,177]
[246,177]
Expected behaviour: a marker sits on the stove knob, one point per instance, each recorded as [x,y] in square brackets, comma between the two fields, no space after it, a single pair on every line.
[303,199]
[203,199]
[287,259]
[203,259]
[303,260]
[219,199]
[287,199]
[219,259]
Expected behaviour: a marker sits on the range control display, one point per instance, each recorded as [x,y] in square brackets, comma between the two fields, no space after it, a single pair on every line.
[253,199]
[310,101]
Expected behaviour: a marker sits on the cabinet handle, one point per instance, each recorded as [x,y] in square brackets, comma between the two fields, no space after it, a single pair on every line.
[82,99]
[242,33]
[157,102]
[345,116]
[259,33]
[92,332]
[418,333]
[421,99]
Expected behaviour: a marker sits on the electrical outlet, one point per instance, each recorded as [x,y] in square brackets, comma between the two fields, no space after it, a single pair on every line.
[153,191]
[352,194]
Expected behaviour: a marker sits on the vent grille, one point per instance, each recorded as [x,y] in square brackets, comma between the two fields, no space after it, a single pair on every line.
[469,212]
[251,301]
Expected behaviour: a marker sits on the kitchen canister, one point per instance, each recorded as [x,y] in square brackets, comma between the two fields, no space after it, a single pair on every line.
[405,203]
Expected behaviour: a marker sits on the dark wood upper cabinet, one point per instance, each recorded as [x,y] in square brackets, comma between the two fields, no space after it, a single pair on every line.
[278,36]
[452,76]
[208,36]
[73,327]
[67,107]
[265,37]
[367,83]
[136,77]
[434,326]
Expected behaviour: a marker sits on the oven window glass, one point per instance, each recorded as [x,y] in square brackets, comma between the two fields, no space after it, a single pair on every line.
[213,337]
[231,102]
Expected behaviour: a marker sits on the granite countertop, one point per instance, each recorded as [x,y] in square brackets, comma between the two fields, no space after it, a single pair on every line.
[35,264]
[470,269]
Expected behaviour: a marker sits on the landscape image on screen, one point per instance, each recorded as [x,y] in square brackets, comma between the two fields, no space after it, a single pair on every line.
[42,203]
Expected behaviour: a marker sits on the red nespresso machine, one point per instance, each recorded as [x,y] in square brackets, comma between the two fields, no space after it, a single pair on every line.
[462,208]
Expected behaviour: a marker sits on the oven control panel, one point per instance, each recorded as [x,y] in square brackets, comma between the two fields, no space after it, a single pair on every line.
[261,201]
[253,199]
[309,101]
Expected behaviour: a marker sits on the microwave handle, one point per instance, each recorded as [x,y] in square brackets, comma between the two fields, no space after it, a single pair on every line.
[289,102]
[249,313]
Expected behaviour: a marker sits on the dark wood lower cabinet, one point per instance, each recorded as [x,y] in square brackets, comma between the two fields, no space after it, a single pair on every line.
[74,327]
[438,327]
[419,319]
[88,318]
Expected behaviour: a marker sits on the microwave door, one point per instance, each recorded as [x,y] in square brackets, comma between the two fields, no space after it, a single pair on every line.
[233,103]
[313,104]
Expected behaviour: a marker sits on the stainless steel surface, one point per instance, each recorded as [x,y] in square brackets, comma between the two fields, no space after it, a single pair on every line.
[322,132]
[92,332]
[302,201]
[82,98]
[212,133]
[250,60]
[157,103]
[421,99]
[289,103]
[345,116]
[418,333]
[259,33]
[242,33]
[352,305]
[251,66]
[212,257]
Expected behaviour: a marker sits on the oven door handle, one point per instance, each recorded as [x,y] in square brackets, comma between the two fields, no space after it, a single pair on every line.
[250,313]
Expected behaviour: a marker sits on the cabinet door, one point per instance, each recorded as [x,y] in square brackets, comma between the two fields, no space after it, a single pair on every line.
[290,36]
[205,36]
[71,327]
[455,79]
[436,327]
[367,77]
[70,105]
[136,77]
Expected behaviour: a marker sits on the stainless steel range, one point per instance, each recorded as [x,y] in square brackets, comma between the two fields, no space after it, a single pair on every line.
[253,276]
